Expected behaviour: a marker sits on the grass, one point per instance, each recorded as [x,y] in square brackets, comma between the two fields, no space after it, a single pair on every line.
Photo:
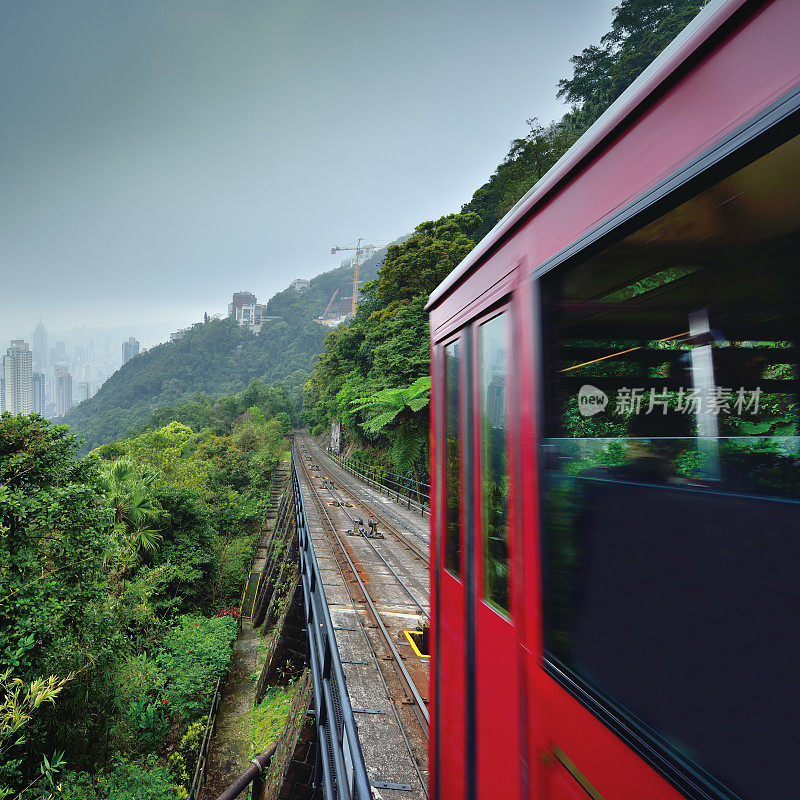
[269,717]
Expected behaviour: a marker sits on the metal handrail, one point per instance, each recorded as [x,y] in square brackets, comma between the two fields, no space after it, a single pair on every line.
[339,756]
[405,488]
[202,756]
[253,774]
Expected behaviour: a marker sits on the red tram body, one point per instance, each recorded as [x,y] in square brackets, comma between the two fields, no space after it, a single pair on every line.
[615,609]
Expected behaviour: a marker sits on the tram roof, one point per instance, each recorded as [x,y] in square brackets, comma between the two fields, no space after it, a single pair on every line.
[701,28]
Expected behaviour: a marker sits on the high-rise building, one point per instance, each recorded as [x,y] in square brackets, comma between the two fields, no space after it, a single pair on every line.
[251,315]
[40,348]
[129,349]
[18,373]
[2,392]
[240,299]
[86,389]
[247,311]
[39,393]
[63,391]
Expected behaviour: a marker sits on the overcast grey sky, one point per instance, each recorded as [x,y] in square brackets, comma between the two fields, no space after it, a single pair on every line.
[157,155]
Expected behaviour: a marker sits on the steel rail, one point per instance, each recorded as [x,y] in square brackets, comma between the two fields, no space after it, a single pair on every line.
[371,509]
[405,677]
[372,650]
[202,757]
[378,553]
[350,472]
[381,479]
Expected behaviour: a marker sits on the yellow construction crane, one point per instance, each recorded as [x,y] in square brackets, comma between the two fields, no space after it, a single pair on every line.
[359,249]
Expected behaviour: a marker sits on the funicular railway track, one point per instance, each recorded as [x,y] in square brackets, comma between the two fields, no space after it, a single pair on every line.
[380,582]
[389,523]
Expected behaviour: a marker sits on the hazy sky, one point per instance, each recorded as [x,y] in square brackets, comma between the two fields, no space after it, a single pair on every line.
[157,155]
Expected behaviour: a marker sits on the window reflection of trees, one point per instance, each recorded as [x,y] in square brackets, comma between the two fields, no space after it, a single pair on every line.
[452,460]
[494,458]
[696,508]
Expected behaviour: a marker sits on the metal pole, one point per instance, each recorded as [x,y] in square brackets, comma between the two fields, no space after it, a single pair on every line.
[257,768]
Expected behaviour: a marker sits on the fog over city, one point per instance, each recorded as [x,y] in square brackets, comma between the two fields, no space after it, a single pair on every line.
[155,157]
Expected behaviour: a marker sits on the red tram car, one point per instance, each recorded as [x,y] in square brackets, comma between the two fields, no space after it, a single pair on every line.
[615,451]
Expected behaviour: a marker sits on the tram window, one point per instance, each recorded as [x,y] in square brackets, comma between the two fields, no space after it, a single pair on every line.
[671,481]
[452,459]
[494,461]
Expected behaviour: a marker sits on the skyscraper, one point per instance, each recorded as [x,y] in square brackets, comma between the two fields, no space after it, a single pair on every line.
[129,349]
[39,394]
[18,372]
[63,391]
[40,348]
[85,391]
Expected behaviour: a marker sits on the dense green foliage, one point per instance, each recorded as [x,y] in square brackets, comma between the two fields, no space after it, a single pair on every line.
[219,414]
[113,567]
[213,359]
[385,346]
[216,358]
[368,366]
[640,30]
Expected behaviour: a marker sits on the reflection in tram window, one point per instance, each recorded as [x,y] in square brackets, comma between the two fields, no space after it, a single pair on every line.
[671,485]
[452,549]
[494,463]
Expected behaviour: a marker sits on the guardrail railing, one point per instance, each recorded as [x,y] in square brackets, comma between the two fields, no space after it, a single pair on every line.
[405,489]
[202,757]
[340,762]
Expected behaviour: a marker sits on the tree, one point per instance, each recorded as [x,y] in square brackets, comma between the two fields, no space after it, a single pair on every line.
[18,704]
[398,416]
[418,265]
[55,611]
[640,30]
[128,491]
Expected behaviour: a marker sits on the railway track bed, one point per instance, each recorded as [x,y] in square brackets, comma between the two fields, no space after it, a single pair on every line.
[376,590]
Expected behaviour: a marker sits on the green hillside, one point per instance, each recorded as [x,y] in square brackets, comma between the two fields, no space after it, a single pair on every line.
[216,358]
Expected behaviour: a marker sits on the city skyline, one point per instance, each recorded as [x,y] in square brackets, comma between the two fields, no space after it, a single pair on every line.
[48,376]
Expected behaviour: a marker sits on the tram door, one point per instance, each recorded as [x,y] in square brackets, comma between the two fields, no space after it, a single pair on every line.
[451,636]
[496,664]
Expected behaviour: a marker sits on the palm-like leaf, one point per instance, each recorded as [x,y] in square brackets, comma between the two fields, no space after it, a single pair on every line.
[381,421]
[391,402]
[135,511]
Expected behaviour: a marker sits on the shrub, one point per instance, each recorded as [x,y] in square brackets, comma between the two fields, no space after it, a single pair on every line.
[128,780]
[230,611]
[233,557]
[196,652]
[182,762]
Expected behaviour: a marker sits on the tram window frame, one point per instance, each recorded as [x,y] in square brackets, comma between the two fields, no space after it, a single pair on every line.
[757,137]
[452,558]
[503,312]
